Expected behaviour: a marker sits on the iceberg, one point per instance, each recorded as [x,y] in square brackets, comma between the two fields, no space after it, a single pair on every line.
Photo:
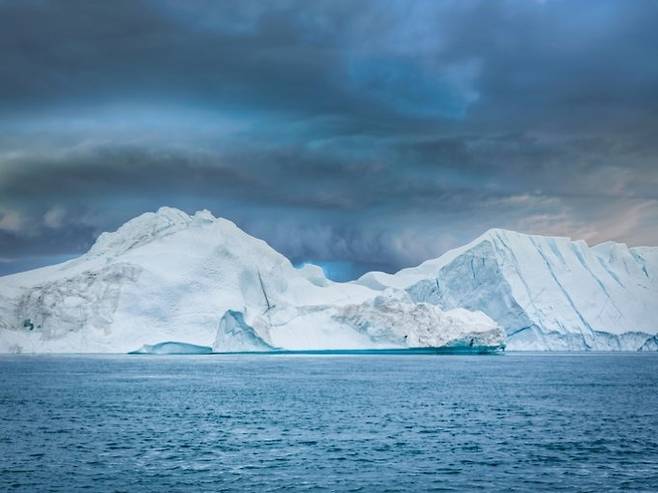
[548,293]
[170,276]
[162,276]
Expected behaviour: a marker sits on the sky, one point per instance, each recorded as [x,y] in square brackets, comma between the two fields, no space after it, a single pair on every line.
[358,135]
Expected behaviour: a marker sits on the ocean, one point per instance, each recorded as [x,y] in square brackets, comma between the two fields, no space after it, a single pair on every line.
[322,422]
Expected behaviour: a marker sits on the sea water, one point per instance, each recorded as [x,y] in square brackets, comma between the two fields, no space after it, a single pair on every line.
[512,422]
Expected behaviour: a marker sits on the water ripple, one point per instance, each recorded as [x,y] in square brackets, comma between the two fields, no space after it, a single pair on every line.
[342,423]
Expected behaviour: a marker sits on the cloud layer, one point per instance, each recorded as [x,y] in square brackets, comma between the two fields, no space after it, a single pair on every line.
[369,134]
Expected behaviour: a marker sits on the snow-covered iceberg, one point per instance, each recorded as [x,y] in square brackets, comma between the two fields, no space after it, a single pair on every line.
[547,293]
[168,276]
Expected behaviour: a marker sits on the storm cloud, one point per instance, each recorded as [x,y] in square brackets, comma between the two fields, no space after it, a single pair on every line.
[370,134]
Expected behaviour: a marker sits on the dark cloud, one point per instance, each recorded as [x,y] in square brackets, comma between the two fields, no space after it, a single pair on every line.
[356,134]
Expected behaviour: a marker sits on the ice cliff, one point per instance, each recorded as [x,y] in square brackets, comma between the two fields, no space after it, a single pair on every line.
[200,280]
[547,293]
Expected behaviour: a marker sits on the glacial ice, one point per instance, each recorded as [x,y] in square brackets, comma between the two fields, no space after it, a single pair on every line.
[548,293]
[387,321]
[235,335]
[172,347]
[168,276]
[650,344]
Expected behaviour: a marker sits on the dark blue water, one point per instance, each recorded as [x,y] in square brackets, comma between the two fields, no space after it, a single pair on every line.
[516,422]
